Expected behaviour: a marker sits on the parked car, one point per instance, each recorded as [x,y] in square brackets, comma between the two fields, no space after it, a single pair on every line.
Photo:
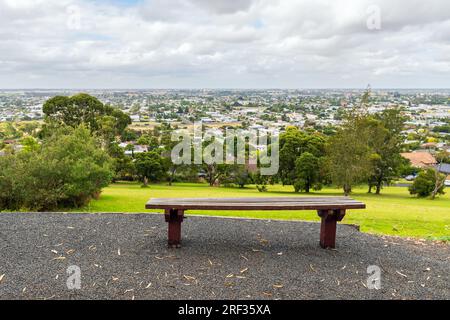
[410,178]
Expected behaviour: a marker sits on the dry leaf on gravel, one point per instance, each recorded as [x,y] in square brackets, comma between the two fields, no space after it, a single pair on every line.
[403,275]
[59,258]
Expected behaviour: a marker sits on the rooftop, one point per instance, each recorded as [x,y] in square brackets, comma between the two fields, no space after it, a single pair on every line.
[420,159]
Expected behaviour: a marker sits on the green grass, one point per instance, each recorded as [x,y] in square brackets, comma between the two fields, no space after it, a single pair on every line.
[394,212]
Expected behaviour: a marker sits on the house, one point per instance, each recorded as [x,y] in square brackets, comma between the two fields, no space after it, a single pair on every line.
[137,149]
[420,159]
[444,168]
[135,118]
[429,145]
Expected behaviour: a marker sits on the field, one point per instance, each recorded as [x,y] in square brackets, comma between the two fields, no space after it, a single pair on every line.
[394,212]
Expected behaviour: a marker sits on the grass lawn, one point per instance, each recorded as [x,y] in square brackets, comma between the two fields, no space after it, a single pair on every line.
[394,212]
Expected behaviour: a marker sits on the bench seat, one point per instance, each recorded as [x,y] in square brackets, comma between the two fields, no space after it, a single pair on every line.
[330,209]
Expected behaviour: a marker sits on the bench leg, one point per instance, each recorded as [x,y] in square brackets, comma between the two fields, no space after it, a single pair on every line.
[174,218]
[328,227]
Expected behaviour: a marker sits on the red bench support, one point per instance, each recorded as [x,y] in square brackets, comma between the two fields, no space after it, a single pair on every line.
[328,227]
[174,218]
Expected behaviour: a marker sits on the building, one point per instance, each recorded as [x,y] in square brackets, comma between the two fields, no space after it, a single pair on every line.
[444,168]
[420,159]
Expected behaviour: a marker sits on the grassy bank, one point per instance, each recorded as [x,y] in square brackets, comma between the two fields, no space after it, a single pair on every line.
[394,212]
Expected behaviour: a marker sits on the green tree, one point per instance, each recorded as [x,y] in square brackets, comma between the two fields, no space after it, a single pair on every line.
[349,154]
[85,109]
[429,183]
[236,175]
[128,135]
[213,172]
[123,165]
[293,143]
[29,144]
[150,165]
[386,143]
[307,173]
[148,140]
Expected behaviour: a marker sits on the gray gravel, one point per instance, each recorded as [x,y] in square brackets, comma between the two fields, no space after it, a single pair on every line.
[125,257]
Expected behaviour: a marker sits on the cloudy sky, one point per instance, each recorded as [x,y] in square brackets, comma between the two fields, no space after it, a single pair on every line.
[224,43]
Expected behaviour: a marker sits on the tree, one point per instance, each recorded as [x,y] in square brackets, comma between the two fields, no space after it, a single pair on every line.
[308,173]
[429,183]
[150,165]
[9,131]
[293,143]
[349,154]
[260,181]
[386,143]
[213,172]
[29,144]
[123,165]
[30,128]
[236,175]
[148,140]
[128,135]
[88,110]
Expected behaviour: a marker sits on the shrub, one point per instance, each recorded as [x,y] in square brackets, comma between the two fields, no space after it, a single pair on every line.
[426,183]
[68,170]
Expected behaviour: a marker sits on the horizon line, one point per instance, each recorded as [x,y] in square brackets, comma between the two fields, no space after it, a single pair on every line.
[234,89]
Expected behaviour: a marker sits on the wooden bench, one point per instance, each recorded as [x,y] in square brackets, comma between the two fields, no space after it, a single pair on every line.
[330,209]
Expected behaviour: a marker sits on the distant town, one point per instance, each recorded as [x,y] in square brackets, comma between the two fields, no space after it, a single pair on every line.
[428,110]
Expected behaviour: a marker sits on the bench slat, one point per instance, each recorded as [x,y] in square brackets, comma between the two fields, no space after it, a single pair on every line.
[286,203]
[252,200]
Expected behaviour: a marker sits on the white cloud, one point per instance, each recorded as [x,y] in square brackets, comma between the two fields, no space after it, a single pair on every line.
[200,43]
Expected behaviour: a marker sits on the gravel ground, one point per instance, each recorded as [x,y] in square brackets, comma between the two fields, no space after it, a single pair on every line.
[125,257]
